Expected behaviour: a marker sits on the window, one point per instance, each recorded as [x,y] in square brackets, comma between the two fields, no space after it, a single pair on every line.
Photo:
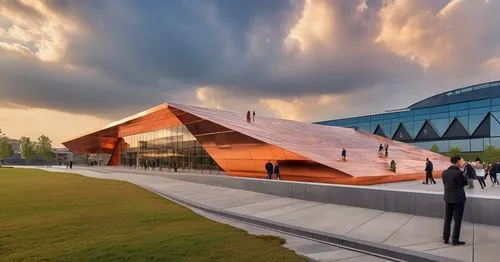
[440,109]
[479,103]
[464,145]
[476,145]
[377,117]
[440,115]
[481,110]
[406,114]
[460,106]
[495,101]
[422,111]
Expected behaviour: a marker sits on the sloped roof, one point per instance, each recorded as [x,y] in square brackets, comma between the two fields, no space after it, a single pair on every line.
[323,144]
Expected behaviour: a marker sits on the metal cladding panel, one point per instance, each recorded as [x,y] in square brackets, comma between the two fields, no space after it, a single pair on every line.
[319,144]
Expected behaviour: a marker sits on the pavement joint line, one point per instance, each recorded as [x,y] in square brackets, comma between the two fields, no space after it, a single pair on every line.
[399,228]
[256,201]
[364,223]
[378,250]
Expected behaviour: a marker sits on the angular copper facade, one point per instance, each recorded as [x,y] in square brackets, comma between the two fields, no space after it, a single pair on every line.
[306,152]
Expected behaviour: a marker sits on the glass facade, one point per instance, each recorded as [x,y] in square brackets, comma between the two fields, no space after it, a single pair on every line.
[171,149]
[471,125]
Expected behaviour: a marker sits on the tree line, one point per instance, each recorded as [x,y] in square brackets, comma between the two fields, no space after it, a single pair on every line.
[42,148]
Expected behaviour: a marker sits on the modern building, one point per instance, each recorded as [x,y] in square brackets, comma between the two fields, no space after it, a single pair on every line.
[195,139]
[466,117]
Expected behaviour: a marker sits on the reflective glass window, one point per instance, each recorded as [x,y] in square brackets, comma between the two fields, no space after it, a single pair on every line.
[421,117]
[421,111]
[406,114]
[463,113]
[459,106]
[439,115]
[464,145]
[377,117]
[495,101]
[440,109]
[481,110]
[495,141]
[391,116]
[479,103]
[406,119]
[495,108]
[476,144]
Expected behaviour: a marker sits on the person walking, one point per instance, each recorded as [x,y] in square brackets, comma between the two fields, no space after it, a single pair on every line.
[277,170]
[454,197]
[253,116]
[269,169]
[248,117]
[429,167]
[344,154]
[380,149]
[470,174]
[495,170]
[386,150]
[480,173]
[70,164]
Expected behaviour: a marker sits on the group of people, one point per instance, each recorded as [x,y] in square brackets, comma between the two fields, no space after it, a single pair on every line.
[270,169]
[478,170]
[382,148]
[251,117]
[459,175]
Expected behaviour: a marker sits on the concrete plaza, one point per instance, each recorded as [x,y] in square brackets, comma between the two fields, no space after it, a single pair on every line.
[410,232]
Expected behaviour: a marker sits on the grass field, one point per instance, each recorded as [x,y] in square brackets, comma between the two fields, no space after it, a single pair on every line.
[64,217]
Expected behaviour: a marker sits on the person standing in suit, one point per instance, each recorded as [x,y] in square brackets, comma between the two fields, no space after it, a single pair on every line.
[454,182]
[428,172]
[269,169]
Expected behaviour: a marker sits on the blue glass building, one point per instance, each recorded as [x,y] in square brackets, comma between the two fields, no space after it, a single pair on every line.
[467,117]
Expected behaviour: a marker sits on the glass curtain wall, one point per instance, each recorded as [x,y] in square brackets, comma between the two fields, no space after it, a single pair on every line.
[172,149]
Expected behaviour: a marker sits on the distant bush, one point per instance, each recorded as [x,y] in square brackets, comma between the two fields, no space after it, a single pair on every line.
[435,148]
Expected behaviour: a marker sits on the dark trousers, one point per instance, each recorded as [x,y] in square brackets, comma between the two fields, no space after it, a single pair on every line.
[455,211]
[481,181]
[428,177]
[494,179]
[269,175]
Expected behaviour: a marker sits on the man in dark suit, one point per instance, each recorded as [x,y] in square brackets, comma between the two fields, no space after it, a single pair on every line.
[454,182]
[428,172]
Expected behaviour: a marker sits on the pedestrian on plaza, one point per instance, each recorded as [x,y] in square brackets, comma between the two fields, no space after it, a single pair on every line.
[495,170]
[248,117]
[344,154]
[386,150]
[380,149]
[470,174]
[269,169]
[454,196]
[429,167]
[487,170]
[277,170]
[480,173]
[70,164]
[253,114]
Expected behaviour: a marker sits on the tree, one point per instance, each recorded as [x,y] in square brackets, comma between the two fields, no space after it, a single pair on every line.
[5,148]
[27,148]
[490,153]
[454,150]
[44,148]
[435,148]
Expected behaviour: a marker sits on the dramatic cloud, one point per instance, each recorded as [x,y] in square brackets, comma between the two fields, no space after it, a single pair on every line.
[306,60]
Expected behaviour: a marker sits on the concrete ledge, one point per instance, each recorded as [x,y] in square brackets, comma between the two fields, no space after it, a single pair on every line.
[381,250]
[477,209]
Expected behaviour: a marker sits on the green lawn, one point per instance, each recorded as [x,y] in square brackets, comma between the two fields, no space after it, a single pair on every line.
[65,217]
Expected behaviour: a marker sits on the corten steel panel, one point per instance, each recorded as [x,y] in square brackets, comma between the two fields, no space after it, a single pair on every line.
[115,158]
[322,145]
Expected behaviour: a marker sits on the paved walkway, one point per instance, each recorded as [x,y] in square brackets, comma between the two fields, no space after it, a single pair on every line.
[395,229]
[417,186]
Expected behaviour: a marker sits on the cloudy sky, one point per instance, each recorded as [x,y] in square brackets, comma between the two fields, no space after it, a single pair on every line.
[70,66]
